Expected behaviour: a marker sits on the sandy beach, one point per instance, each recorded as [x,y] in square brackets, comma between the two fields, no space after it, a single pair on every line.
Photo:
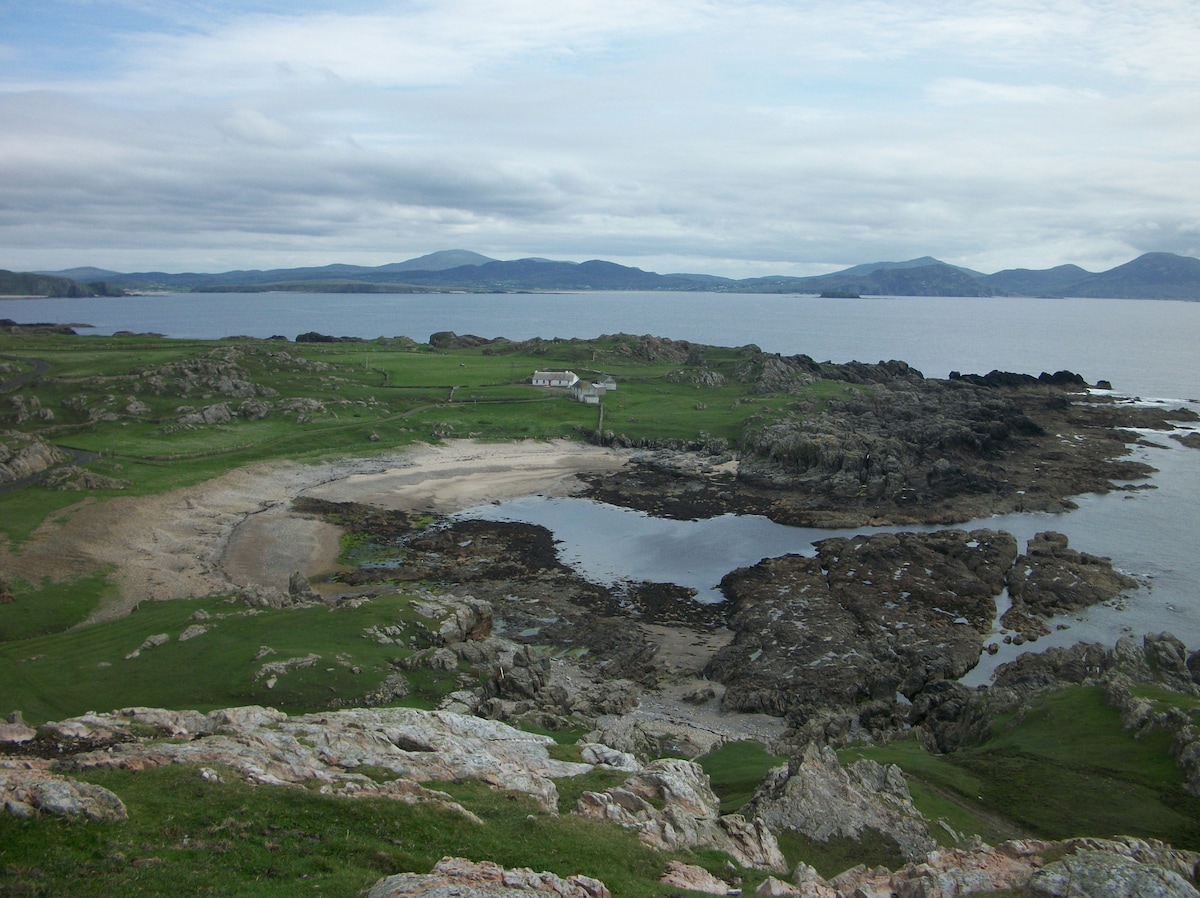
[239,528]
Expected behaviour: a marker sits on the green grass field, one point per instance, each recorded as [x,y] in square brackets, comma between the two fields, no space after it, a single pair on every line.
[1064,768]
[186,835]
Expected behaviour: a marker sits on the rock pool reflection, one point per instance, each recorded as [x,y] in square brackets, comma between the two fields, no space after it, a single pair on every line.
[612,545]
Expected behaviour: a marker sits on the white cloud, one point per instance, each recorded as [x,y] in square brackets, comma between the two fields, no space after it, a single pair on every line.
[1010,133]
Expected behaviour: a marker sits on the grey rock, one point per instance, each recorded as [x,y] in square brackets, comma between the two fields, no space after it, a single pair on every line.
[816,796]
[1099,874]
[460,878]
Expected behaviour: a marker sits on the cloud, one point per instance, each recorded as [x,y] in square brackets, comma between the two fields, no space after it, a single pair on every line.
[792,135]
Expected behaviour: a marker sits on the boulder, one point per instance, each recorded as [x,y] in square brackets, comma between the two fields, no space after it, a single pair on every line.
[816,796]
[696,879]
[1101,874]
[28,793]
[454,876]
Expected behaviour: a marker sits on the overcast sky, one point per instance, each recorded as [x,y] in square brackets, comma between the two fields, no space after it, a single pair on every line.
[741,138]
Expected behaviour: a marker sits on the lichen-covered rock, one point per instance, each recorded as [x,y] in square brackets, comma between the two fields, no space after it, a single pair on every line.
[454,877]
[271,748]
[818,797]
[1101,874]
[28,793]
[671,806]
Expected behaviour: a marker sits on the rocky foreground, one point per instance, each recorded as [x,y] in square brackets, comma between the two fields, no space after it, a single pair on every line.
[668,802]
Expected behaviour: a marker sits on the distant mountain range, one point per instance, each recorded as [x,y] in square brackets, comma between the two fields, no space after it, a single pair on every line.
[1150,276]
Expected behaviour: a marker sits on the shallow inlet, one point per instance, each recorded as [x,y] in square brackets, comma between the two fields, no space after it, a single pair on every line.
[611,546]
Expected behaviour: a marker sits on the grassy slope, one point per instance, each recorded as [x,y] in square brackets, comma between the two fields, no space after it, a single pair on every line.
[1064,768]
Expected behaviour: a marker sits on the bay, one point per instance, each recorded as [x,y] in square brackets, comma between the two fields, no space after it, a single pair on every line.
[1146,348]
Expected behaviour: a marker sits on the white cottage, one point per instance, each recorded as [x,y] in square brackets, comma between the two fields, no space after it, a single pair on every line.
[555,378]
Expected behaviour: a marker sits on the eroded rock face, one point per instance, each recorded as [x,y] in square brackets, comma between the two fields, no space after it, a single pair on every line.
[865,619]
[455,877]
[23,456]
[671,806]
[270,748]
[816,796]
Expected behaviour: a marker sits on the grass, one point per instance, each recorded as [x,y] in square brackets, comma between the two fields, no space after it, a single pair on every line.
[840,854]
[736,769]
[230,839]
[48,608]
[1064,768]
[66,674]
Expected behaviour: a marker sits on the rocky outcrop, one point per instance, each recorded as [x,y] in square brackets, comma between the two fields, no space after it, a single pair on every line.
[269,747]
[671,806]
[647,737]
[455,877]
[34,792]
[818,797]
[1052,578]
[1086,868]
[903,450]
[23,456]
[865,619]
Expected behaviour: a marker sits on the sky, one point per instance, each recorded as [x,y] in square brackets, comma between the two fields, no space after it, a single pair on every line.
[740,138]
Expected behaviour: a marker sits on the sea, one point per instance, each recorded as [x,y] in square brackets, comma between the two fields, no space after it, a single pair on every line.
[1146,349]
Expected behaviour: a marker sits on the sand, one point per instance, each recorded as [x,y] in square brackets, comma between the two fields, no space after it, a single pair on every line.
[239,529]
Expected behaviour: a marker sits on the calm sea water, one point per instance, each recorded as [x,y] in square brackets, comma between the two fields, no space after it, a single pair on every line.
[1146,348]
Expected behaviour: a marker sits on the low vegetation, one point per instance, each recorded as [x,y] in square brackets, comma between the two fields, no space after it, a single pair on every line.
[1061,768]
[193,836]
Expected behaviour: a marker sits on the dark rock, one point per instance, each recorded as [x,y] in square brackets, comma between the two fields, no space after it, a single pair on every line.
[1051,578]
[865,619]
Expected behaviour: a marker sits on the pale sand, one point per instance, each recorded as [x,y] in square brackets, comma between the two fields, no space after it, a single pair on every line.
[239,529]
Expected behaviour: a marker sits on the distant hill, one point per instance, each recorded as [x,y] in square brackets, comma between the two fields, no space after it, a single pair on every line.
[922,262]
[26,283]
[920,277]
[1151,276]
[440,261]
[1028,282]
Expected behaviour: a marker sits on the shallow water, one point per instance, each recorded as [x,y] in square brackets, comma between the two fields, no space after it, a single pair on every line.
[1147,532]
